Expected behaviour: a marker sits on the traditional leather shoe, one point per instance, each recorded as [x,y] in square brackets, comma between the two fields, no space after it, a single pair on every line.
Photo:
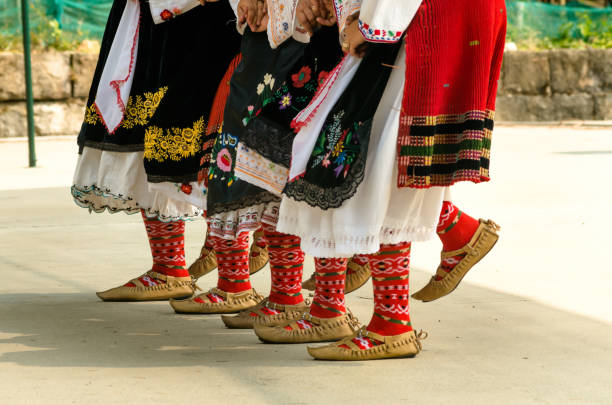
[354,280]
[387,347]
[206,263]
[482,242]
[322,329]
[265,313]
[172,287]
[358,277]
[226,303]
[258,256]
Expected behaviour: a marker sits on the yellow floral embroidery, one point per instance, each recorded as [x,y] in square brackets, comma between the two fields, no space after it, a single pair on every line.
[91,115]
[138,111]
[173,143]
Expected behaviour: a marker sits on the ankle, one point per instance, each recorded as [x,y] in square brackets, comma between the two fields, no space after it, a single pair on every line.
[318,311]
[386,328]
[281,299]
[171,271]
[232,287]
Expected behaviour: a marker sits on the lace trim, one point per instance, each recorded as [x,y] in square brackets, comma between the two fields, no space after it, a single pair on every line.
[98,200]
[249,201]
[278,142]
[326,198]
[230,225]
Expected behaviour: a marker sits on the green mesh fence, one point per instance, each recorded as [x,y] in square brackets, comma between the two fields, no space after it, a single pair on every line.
[84,19]
[532,19]
[58,23]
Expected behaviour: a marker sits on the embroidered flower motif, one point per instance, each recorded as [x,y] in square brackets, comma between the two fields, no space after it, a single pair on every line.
[166,15]
[326,162]
[322,76]
[176,11]
[272,83]
[224,160]
[339,147]
[250,108]
[267,78]
[302,77]
[260,88]
[285,101]
[186,188]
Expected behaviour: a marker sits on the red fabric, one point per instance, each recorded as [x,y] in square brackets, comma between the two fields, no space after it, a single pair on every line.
[390,278]
[330,276]
[461,233]
[286,267]
[233,263]
[167,241]
[453,57]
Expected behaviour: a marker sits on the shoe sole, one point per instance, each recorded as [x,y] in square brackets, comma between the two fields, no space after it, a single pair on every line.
[468,270]
[147,300]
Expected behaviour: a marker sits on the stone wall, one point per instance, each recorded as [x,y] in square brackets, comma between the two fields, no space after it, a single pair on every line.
[61,83]
[565,84]
[535,86]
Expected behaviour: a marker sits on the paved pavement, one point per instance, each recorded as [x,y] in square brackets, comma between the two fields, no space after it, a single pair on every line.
[530,325]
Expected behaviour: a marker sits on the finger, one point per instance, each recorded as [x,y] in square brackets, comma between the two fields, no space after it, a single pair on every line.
[305,23]
[260,12]
[326,22]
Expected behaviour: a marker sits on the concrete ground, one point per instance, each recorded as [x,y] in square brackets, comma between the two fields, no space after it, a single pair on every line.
[530,325]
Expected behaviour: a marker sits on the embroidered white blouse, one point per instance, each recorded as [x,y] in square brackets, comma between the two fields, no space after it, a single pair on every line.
[379,20]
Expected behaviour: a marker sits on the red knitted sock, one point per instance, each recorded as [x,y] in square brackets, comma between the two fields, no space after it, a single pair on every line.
[286,266]
[167,241]
[455,229]
[330,275]
[328,301]
[390,274]
[233,263]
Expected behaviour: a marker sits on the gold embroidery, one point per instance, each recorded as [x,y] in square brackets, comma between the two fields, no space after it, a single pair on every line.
[139,109]
[173,143]
[91,115]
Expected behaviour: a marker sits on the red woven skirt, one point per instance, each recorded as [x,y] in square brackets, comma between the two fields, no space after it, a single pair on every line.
[454,50]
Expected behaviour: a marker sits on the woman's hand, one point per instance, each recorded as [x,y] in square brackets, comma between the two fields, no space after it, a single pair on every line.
[313,13]
[354,42]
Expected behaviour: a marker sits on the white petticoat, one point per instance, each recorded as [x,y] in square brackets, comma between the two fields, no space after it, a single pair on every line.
[379,212]
[117,181]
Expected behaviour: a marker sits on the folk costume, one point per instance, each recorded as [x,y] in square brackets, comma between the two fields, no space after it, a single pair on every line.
[147,126]
[278,76]
[370,177]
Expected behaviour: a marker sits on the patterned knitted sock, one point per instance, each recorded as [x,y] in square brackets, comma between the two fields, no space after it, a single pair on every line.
[233,264]
[455,229]
[361,260]
[330,276]
[328,301]
[390,272]
[167,241]
[286,266]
